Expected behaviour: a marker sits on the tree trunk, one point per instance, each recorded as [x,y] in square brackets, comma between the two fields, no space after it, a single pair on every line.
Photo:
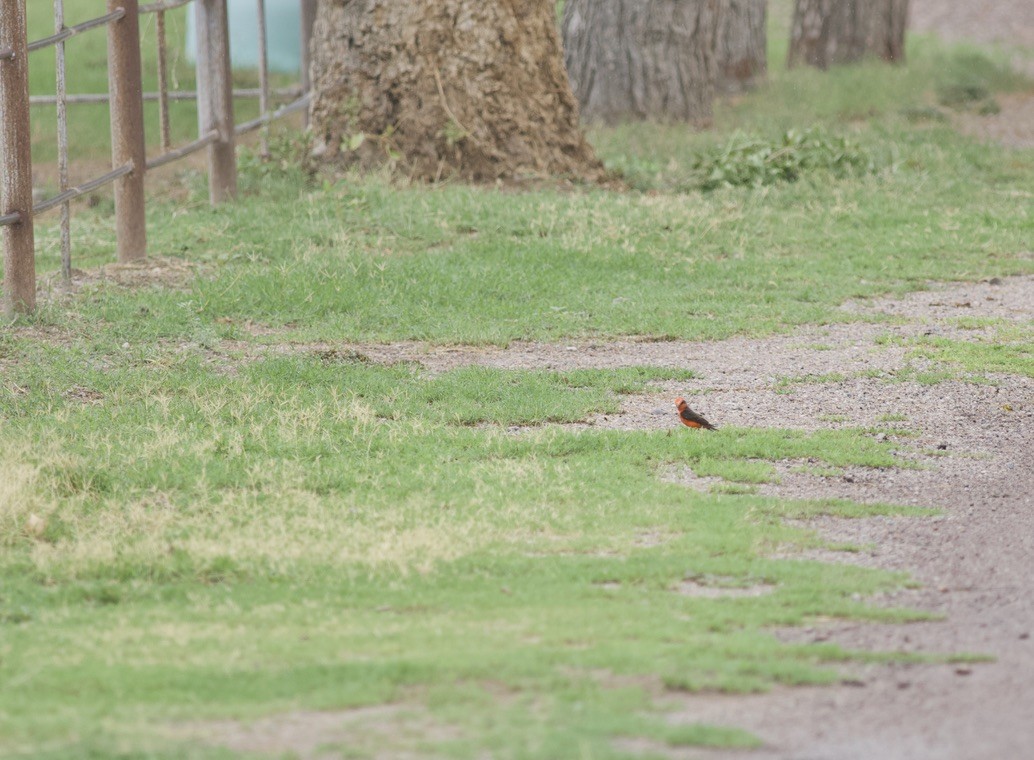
[468,88]
[641,59]
[828,32]
[741,45]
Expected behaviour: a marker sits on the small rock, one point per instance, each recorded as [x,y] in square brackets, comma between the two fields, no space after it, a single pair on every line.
[942,447]
[853,682]
[125,345]
[904,684]
[995,281]
[963,671]
[1024,636]
[35,526]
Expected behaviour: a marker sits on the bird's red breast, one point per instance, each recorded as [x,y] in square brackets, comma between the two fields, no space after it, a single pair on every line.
[689,418]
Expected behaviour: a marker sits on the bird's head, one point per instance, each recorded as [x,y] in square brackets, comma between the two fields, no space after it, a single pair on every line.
[680,402]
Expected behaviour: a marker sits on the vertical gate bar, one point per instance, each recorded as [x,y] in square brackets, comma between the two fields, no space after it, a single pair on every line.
[263,73]
[308,19]
[62,142]
[127,130]
[19,290]
[163,82]
[215,97]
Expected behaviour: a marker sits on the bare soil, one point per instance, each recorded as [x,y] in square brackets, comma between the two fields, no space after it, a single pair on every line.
[389,732]
[1008,22]
[153,271]
[1012,126]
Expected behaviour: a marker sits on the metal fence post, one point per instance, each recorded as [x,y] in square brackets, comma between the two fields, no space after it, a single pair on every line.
[127,130]
[19,292]
[215,97]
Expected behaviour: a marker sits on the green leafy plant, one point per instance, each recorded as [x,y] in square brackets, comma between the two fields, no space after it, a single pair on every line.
[754,161]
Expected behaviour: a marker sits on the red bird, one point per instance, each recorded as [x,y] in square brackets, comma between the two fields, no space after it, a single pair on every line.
[689,418]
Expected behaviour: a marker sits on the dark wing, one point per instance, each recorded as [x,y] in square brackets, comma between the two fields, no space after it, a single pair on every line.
[690,416]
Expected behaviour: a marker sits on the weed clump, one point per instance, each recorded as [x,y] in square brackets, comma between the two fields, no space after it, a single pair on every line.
[746,160]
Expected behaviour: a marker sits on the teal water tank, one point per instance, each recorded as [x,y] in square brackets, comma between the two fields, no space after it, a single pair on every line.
[283,34]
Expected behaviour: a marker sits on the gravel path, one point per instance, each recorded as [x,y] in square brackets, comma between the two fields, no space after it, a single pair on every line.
[1006,23]
[1009,22]
[974,563]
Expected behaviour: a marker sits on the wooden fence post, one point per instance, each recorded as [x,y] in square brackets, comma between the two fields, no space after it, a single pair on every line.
[19,291]
[215,97]
[127,130]
[308,19]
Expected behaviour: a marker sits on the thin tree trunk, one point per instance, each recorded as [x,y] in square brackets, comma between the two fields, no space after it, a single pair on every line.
[829,32]
[741,45]
[469,88]
[641,59]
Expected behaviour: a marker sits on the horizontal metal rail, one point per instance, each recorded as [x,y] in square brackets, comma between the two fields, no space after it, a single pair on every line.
[10,219]
[74,192]
[102,97]
[72,31]
[165,5]
[183,151]
[248,126]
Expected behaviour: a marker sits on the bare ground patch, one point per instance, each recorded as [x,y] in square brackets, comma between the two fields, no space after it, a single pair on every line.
[384,732]
[158,271]
[1012,126]
[986,21]
[702,588]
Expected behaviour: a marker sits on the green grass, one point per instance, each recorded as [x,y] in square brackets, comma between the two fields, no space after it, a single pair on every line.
[457,264]
[201,521]
[784,384]
[1008,348]
[1016,358]
[893,417]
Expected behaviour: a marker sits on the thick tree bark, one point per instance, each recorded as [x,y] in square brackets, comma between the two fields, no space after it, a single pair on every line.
[642,59]
[829,32]
[741,44]
[469,88]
